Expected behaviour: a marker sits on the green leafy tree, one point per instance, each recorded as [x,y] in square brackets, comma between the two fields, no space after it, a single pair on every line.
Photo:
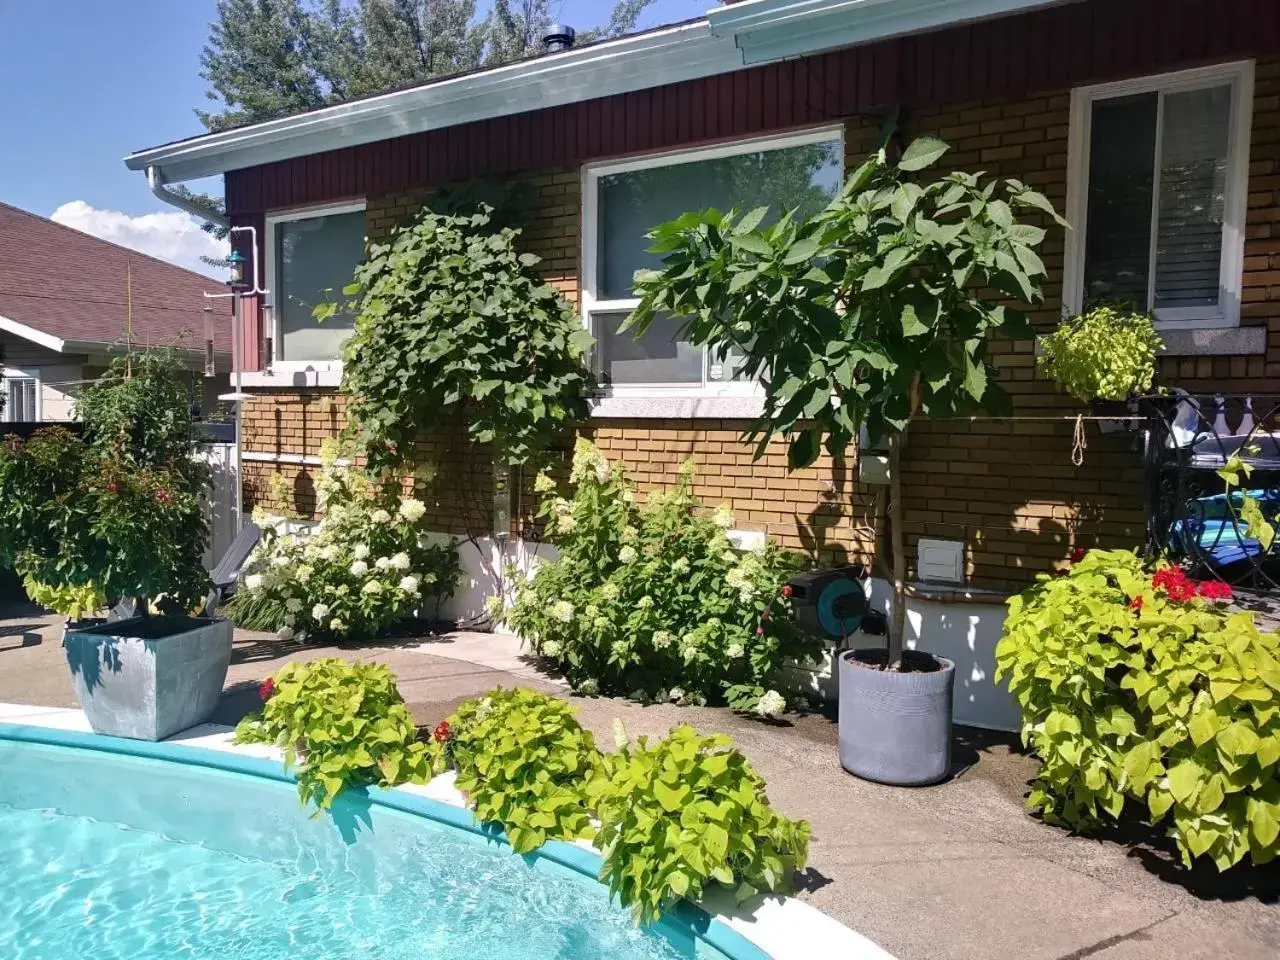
[873,312]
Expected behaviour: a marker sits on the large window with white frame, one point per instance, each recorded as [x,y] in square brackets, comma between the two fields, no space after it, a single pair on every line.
[21,397]
[311,255]
[1157,194]
[624,200]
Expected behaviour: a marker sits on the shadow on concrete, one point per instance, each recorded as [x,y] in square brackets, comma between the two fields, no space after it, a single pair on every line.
[237,702]
[26,635]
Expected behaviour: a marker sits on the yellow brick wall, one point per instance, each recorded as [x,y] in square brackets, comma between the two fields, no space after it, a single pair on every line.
[1008,489]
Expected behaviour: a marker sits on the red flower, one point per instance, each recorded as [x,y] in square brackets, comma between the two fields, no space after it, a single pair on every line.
[1214,590]
[267,689]
[788,591]
[442,731]
[1175,583]
[164,496]
[760,630]
[1078,554]
[113,487]
[1135,603]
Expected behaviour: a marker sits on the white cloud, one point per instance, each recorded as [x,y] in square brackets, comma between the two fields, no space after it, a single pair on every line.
[173,235]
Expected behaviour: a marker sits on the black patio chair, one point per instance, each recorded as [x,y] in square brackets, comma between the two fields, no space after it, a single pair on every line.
[226,574]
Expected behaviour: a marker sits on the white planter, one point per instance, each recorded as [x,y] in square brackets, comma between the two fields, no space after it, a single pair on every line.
[150,677]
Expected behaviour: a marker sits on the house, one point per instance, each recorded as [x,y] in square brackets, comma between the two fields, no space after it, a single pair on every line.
[774,99]
[68,302]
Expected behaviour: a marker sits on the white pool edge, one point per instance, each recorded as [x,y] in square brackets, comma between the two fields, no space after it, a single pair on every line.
[783,927]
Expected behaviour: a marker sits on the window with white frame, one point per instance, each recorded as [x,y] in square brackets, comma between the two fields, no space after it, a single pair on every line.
[624,200]
[1157,194]
[21,398]
[311,256]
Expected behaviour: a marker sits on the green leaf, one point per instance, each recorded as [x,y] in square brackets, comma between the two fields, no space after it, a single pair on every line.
[751,220]
[802,251]
[921,153]
[975,379]
[804,448]
[752,243]
[912,325]
[1185,780]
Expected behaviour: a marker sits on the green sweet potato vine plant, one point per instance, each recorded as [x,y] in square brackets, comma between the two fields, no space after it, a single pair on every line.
[1107,353]
[340,725]
[873,312]
[1139,690]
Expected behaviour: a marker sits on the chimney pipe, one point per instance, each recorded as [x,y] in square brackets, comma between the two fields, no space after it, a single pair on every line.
[558,37]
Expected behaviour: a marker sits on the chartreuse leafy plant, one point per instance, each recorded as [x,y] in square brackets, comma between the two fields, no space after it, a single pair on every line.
[653,599]
[873,312]
[452,321]
[74,602]
[523,760]
[686,812]
[341,725]
[670,818]
[1105,354]
[1141,691]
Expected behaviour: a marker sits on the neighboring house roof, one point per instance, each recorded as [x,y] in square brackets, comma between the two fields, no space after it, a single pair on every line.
[66,291]
[727,39]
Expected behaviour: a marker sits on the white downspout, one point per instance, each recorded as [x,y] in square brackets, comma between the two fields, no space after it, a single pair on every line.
[156,181]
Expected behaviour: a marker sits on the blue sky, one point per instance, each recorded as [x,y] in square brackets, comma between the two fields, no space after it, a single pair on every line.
[87,81]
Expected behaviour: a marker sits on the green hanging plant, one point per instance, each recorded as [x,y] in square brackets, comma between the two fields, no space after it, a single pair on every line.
[1107,353]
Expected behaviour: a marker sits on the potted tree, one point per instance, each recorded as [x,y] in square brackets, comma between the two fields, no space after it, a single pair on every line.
[872,313]
[119,514]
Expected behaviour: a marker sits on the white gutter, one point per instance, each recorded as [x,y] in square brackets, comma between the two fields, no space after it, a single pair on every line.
[682,52]
[156,181]
[770,30]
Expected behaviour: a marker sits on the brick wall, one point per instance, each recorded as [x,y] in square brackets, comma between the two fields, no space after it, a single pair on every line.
[1007,488]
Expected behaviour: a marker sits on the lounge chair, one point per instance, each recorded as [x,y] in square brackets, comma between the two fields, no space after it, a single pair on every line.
[226,574]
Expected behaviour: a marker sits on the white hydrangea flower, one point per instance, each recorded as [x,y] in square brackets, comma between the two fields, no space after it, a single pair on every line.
[285,633]
[629,534]
[688,468]
[688,647]
[661,639]
[336,625]
[620,738]
[380,516]
[361,551]
[359,568]
[676,694]
[603,471]
[329,553]
[409,585]
[627,553]
[293,605]
[253,582]
[722,516]
[303,573]
[401,561]
[290,620]
[372,587]
[412,509]
[645,603]
[735,651]
[680,565]
[551,648]
[543,484]
[280,560]
[562,610]
[319,612]
[609,591]
[771,704]
[588,460]
[628,495]
[382,563]
[588,688]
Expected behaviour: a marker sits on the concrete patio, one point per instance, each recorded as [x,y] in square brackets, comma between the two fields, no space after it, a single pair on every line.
[953,871]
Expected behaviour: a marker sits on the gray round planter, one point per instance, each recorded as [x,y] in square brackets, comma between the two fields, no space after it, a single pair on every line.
[895,727]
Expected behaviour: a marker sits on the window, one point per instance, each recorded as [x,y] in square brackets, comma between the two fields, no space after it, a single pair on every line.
[1157,192]
[21,396]
[623,201]
[311,255]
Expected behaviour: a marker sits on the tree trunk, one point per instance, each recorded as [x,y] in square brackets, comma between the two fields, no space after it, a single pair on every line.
[898,553]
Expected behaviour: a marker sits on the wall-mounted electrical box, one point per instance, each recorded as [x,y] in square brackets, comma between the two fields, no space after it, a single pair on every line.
[940,561]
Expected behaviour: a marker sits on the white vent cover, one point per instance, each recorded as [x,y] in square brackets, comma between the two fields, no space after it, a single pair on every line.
[940,561]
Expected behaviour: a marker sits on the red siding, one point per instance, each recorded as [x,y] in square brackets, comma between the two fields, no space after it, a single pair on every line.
[1061,46]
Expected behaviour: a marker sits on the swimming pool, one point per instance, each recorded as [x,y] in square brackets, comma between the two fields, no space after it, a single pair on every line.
[127,855]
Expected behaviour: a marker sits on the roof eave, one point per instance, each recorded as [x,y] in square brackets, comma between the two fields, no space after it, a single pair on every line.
[770,30]
[684,52]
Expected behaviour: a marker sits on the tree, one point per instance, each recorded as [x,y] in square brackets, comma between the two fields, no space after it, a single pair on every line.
[268,58]
[873,312]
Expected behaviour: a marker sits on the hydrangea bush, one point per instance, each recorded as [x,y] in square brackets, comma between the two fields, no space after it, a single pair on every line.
[368,564]
[1143,691]
[652,599]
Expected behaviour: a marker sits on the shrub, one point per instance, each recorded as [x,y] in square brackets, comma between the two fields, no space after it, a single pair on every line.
[367,565]
[1141,687]
[345,722]
[120,512]
[523,761]
[653,599]
[683,813]
[1104,354]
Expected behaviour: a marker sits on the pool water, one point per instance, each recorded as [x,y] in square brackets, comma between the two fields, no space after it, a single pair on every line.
[109,856]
